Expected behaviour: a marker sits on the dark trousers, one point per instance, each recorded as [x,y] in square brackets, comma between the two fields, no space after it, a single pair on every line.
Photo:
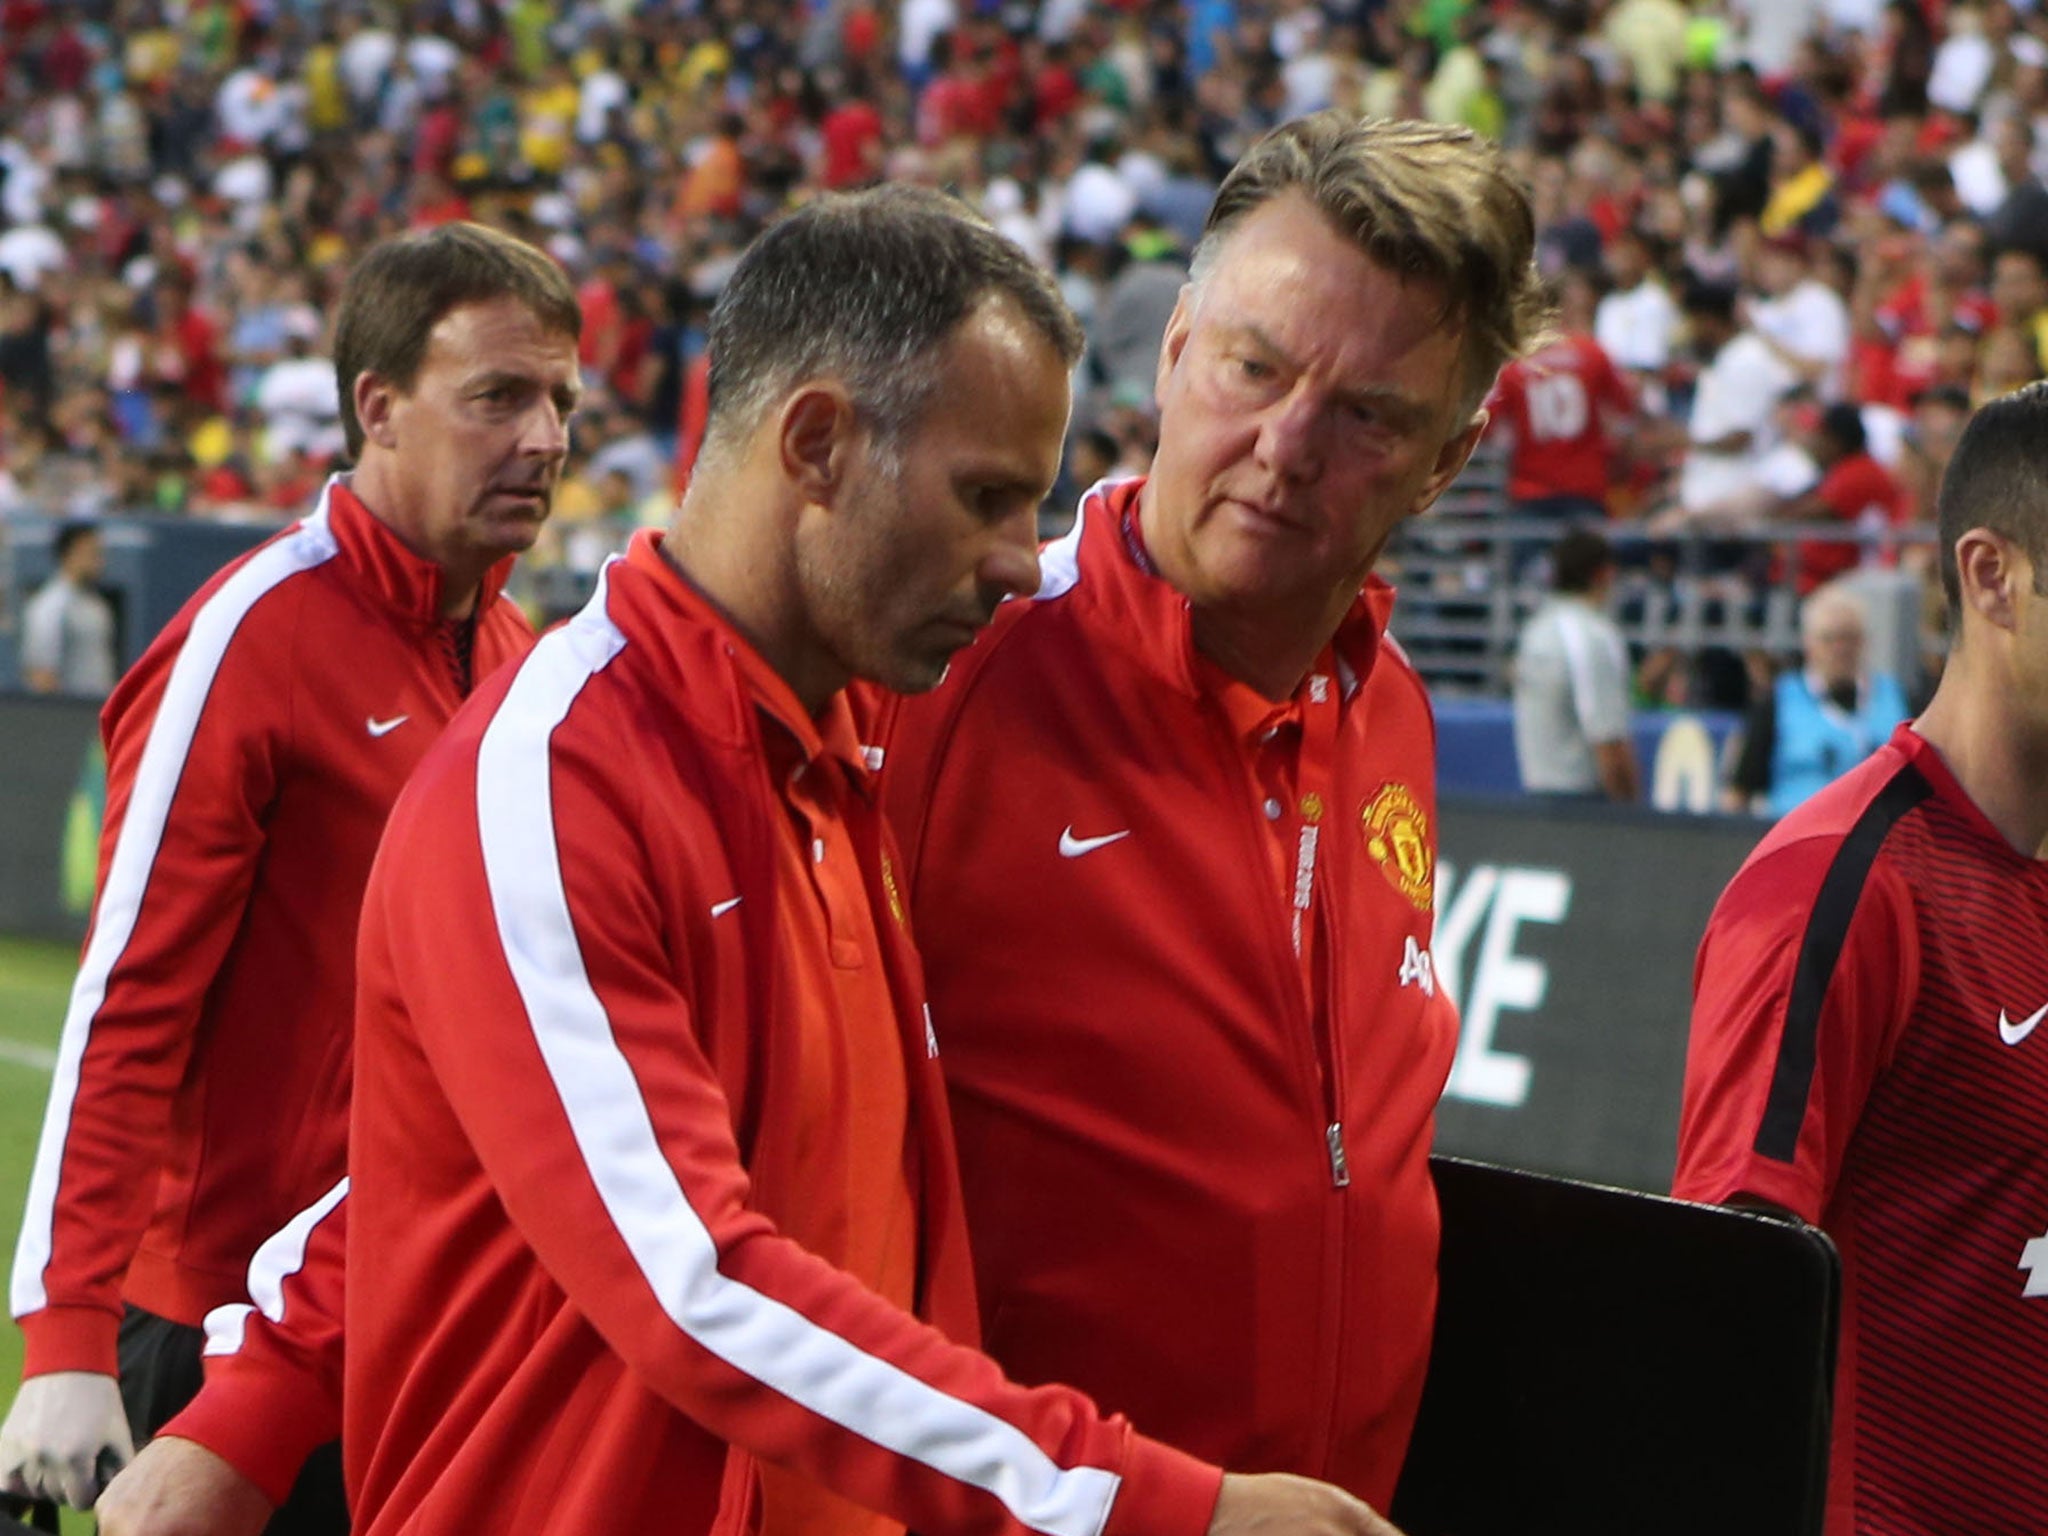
[161,1373]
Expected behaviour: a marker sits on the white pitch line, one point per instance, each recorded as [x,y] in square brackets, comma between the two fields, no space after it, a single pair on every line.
[35,1056]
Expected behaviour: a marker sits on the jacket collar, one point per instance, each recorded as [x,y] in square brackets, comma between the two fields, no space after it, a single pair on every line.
[1100,564]
[666,611]
[407,582]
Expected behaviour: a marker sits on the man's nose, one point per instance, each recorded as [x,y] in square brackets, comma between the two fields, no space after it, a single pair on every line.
[1289,443]
[546,433]
[1011,563]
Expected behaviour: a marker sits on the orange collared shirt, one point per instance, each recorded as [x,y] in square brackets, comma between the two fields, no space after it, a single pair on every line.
[850,1202]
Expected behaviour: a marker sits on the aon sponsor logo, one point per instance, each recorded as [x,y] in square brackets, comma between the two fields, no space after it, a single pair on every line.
[1490,904]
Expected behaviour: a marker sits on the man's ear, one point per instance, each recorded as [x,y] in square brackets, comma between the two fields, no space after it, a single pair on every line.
[1451,460]
[817,432]
[1991,570]
[376,401]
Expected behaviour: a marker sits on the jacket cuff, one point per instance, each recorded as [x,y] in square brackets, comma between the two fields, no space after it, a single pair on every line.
[71,1338]
[263,1420]
[1165,1492]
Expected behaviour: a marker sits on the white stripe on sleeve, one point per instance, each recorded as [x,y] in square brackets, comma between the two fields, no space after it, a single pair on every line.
[128,873]
[282,1255]
[674,1251]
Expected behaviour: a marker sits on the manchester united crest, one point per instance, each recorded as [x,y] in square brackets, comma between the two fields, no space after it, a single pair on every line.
[1397,836]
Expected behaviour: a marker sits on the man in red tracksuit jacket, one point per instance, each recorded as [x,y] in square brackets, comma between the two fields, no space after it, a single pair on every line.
[201,1093]
[1111,786]
[1169,836]
[651,1174]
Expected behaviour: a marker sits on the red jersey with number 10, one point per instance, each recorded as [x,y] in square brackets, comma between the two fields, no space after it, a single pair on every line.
[1558,406]
[1865,1053]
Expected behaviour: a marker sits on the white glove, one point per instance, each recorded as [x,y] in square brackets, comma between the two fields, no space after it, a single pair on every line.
[65,1438]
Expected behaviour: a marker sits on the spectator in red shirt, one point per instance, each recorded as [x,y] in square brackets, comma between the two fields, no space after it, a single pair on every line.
[852,137]
[1563,412]
[185,349]
[1855,490]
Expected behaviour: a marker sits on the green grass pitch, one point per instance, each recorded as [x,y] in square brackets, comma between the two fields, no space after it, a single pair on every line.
[35,982]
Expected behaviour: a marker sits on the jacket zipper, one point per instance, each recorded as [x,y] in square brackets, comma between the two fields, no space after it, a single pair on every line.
[1325,1097]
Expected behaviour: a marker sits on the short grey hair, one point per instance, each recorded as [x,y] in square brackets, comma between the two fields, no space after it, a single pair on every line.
[865,288]
[1425,200]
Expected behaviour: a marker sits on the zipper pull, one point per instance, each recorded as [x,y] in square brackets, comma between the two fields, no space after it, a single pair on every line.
[1340,1170]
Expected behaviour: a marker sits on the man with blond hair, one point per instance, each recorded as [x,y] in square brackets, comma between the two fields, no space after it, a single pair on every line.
[1169,834]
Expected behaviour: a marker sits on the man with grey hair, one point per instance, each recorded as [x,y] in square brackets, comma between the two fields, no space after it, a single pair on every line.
[1169,834]
[1818,719]
[654,1213]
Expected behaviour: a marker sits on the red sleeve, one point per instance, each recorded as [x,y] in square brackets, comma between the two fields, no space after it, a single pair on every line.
[1800,989]
[556,1011]
[193,737]
[274,1364]
[1610,388]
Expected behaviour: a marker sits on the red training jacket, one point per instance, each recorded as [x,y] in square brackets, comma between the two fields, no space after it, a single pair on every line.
[201,1090]
[1192,1192]
[569,1306]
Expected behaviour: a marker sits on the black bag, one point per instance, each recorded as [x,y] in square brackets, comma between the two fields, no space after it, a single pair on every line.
[1608,1363]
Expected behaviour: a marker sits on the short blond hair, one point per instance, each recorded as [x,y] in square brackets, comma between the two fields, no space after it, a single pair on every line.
[1424,200]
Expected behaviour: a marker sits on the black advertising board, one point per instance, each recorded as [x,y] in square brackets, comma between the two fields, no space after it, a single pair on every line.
[1567,933]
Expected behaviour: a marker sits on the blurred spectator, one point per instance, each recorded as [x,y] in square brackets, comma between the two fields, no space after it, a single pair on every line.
[1819,719]
[1854,490]
[1562,414]
[297,396]
[2019,289]
[1637,320]
[1938,417]
[1572,682]
[618,442]
[1802,320]
[1731,428]
[67,628]
[1130,318]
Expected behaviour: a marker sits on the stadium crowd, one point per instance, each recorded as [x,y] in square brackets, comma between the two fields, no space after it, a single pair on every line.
[1853,187]
[1754,217]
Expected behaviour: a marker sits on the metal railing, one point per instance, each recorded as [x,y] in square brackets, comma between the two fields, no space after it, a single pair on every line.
[1469,576]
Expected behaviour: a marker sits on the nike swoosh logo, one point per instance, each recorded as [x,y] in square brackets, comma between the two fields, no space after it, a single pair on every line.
[1072,847]
[386,727]
[2013,1034]
[719,909]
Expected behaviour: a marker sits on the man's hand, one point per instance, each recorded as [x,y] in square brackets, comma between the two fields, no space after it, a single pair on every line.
[66,1435]
[180,1488]
[1281,1504]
